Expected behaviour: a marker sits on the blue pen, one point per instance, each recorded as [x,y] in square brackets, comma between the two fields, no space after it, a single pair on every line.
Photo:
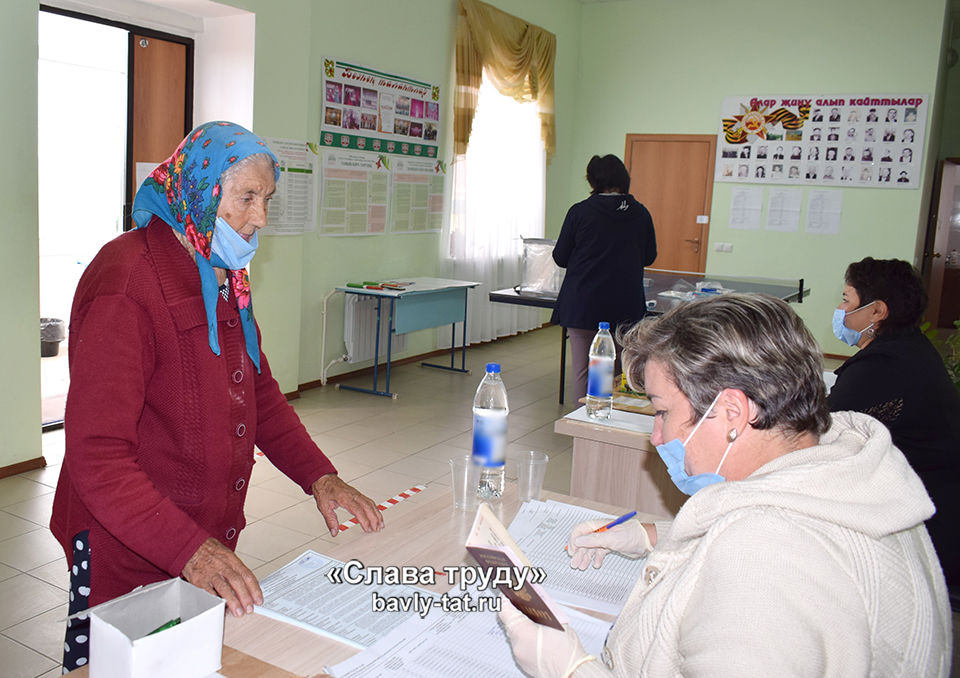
[622,519]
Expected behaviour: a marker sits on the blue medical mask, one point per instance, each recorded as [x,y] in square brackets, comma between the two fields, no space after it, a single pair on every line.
[847,335]
[228,249]
[673,454]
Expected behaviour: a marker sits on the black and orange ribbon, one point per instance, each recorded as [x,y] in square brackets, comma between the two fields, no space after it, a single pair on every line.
[787,119]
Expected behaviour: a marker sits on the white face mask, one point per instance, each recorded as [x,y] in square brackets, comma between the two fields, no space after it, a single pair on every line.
[228,249]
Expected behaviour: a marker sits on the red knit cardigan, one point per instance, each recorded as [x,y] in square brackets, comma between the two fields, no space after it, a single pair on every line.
[160,431]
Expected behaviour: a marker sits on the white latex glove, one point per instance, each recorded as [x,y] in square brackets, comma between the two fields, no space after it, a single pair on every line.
[542,652]
[585,545]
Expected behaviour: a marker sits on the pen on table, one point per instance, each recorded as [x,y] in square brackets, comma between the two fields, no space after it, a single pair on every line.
[613,523]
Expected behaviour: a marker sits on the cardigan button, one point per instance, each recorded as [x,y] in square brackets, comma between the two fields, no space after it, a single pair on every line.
[231,533]
[239,484]
[241,429]
[233,322]
[607,658]
[650,575]
[238,376]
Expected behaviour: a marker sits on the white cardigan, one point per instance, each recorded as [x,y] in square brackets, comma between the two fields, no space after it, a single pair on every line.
[818,564]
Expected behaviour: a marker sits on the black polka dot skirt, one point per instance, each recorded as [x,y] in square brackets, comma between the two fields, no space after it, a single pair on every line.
[76,644]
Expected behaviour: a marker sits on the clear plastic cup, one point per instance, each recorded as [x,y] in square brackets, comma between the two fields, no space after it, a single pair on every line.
[531,469]
[465,477]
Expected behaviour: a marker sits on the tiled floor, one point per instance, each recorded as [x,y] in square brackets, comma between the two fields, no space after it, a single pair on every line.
[381,446]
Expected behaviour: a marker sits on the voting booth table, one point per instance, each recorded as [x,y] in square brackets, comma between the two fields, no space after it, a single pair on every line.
[663,290]
[415,304]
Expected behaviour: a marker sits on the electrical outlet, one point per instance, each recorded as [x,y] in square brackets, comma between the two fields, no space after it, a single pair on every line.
[728,247]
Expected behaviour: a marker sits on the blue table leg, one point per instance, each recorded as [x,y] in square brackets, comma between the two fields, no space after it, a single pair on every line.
[453,345]
[376,358]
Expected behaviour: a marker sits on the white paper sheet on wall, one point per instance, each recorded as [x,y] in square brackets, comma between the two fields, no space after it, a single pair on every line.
[783,209]
[746,208]
[824,209]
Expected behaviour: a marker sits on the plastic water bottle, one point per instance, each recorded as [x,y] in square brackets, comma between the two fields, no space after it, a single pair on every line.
[490,411]
[603,353]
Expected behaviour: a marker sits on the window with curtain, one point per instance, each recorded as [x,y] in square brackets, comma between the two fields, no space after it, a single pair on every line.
[497,197]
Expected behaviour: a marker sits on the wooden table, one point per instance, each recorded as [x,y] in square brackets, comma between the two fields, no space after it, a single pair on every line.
[423,530]
[615,462]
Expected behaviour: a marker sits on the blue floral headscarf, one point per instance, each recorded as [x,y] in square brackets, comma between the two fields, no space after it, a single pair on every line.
[184,191]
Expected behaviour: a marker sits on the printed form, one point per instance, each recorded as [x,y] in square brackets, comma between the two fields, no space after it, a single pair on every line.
[455,644]
[299,593]
[541,529]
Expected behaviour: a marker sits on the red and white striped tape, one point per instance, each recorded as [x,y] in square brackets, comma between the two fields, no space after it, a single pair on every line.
[392,501]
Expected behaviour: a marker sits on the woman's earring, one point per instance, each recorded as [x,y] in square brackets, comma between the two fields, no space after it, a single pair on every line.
[732,435]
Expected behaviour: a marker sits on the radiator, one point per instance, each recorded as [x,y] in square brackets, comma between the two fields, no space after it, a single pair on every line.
[360,328]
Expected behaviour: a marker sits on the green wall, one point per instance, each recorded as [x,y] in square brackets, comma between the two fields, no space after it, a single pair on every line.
[647,66]
[292,275]
[666,67]
[19,254]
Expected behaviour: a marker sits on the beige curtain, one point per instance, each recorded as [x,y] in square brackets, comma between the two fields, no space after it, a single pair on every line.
[519,61]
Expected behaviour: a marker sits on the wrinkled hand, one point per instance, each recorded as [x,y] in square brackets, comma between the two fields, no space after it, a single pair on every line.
[330,491]
[585,545]
[216,569]
[541,651]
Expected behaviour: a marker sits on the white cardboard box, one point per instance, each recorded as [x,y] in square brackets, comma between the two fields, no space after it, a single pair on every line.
[120,646]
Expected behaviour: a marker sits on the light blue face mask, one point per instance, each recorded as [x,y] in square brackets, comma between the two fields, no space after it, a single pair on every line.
[228,249]
[673,454]
[847,335]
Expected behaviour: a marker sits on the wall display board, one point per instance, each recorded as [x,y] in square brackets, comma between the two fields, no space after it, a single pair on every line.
[416,195]
[872,141]
[293,208]
[355,193]
[370,110]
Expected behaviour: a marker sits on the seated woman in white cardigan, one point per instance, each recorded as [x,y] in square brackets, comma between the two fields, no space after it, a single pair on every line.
[802,549]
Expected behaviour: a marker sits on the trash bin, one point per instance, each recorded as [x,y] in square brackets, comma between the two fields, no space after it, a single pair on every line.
[52,332]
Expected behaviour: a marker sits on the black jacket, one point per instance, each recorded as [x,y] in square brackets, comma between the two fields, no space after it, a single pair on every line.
[604,244]
[900,379]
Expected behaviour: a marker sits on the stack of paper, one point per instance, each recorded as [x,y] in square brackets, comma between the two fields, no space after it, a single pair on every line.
[542,529]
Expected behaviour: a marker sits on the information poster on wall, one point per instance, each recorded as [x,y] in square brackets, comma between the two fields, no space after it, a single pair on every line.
[369,110]
[417,195]
[873,141]
[355,193]
[293,208]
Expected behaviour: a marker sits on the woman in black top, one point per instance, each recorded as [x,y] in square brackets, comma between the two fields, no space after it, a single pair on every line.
[604,244]
[899,378]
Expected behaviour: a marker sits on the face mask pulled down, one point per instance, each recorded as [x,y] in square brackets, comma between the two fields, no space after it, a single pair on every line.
[673,454]
[228,249]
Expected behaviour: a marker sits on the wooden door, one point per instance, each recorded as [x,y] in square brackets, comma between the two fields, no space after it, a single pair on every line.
[943,305]
[673,176]
[160,102]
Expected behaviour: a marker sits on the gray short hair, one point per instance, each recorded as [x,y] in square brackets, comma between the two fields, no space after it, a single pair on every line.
[751,342]
[229,173]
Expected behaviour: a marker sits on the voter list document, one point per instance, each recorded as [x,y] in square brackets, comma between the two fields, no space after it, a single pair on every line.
[300,593]
[542,529]
[455,644]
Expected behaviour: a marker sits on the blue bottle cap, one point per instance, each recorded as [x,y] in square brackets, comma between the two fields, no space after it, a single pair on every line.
[493,367]
[603,326]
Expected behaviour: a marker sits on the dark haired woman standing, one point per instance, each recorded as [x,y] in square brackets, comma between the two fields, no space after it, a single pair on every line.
[899,378]
[604,244]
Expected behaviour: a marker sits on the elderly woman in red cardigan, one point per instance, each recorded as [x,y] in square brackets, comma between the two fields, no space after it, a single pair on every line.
[169,391]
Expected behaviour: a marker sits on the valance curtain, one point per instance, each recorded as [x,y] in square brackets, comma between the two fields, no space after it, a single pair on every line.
[518,58]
